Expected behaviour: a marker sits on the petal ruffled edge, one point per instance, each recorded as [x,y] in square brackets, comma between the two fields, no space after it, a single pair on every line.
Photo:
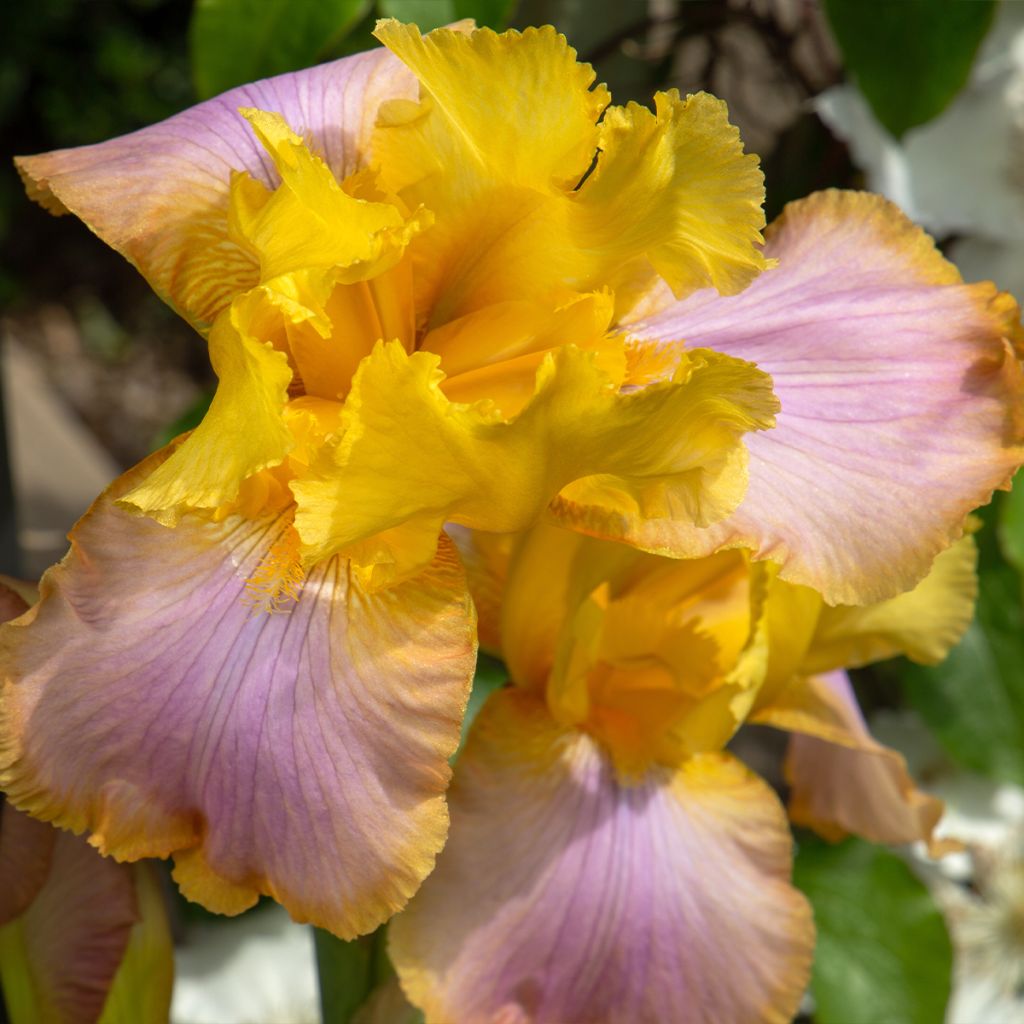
[215,757]
[563,895]
[864,479]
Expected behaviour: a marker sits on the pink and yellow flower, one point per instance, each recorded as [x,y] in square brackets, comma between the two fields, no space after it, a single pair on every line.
[447,282]
[82,939]
[609,859]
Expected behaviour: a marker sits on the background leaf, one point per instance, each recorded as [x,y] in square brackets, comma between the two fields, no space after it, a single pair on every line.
[237,41]
[883,952]
[428,14]
[348,972]
[974,700]
[1011,524]
[909,58]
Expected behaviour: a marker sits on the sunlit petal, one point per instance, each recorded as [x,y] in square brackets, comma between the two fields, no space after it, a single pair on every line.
[160,195]
[301,753]
[565,896]
[900,400]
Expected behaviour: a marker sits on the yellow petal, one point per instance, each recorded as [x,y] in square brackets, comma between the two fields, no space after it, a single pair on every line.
[310,221]
[676,187]
[410,458]
[923,623]
[243,432]
[499,148]
[515,106]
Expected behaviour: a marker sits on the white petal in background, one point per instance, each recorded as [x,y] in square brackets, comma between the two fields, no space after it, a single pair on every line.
[962,173]
[981,890]
[259,968]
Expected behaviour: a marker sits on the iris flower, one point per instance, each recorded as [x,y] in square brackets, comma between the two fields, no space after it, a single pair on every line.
[609,860]
[447,282]
[82,939]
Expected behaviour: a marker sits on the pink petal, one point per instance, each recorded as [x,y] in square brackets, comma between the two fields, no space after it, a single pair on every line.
[26,851]
[843,781]
[300,754]
[73,937]
[159,195]
[565,896]
[900,399]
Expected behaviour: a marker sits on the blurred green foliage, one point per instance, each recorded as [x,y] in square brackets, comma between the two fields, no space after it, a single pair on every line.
[883,953]
[974,700]
[912,57]
[237,41]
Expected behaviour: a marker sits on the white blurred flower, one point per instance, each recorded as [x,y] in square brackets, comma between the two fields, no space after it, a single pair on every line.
[258,969]
[962,173]
[981,890]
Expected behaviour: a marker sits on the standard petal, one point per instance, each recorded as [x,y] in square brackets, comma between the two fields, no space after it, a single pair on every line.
[59,959]
[410,459]
[900,400]
[501,147]
[302,754]
[843,781]
[242,433]
[160,195]
[565,896]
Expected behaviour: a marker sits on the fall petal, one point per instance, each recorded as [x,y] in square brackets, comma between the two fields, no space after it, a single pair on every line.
[900,399]
[842,781]
[301,753]
[564,896]
[67,947]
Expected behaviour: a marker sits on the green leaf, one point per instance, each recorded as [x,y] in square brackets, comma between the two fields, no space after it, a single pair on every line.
[237,41]
[883,952]
[428,14]
[348,972]
[1011,524]
[188,420]
[909,58]
[974,700]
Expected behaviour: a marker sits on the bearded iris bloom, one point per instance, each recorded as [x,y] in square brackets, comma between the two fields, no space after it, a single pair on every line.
[609,859]
[447,282]
[81,938]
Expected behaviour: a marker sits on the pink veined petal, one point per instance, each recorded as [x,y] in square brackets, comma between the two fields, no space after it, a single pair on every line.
[900,401]
[300,754]
[26,851]
[564,896]
[159,195]
[26,845]
[842,780]
[74,935]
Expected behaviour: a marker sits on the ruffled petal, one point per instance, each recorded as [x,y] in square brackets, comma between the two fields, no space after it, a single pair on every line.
[565,896]
[243,432]
[675,187]
[411,459]
[923,624]
[160,195]
[500,148]
[302,754]
[842,781]
[59,959]
[900,400]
